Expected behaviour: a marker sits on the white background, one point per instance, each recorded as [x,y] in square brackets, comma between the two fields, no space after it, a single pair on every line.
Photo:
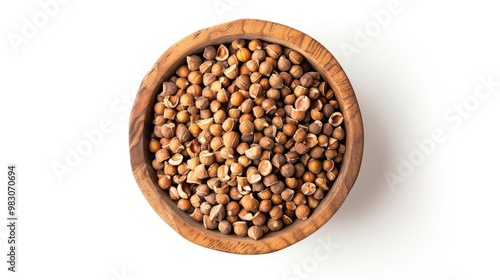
[412,74]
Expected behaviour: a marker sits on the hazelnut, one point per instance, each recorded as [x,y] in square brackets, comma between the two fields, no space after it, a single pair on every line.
[311,140]
[289,206]
[277,188]
[217,213]
[319,194]
[161,155]
[222,53]
[287,194]
[315,127]
[236,168]
[255,77]
[276,212]
[295,57]
[205,67]
[230,139]
[240,228]
[205,207]
[243,54]
[254,152]
[265,205]
[158,108]
[165,182]
[302,103]
[265,68]
[286,220]
[238,44]
[236,99]
[233,208]
[328,165]
[289,129]
[182,133]
[219,116]
[336,119]
[209,52]
[269,106]
[255,90]
[278,160]
[222,198]
[296,71]
[275,81]
[274,224]
[259,219]
[259,55]
[306,80]
[338,133]
[197,215]
[183,204]
[316,152]
[169,89]
[287,170]
[222,173]
[246,127]
[266,143]
[209,224]
[308,188]
[202,190]
[270,180]
[265,167]
[265,194]
[299,199]
[255,232]
[253,65]
[217,69]
[315,165]
[232,71]
[260,124]
[235,194]
[232,219]
[302,211]
[274,94]
[174,195]
[200,172]
[176,159]
[245,215]
[308,176]
[254,44]
[284,63]
[225,227]
[274,50]
[249,202]
[243,82]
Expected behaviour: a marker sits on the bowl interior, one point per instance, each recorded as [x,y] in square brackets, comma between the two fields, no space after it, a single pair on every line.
[141,127]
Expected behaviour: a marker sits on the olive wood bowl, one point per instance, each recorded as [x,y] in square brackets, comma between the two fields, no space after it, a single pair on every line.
[140,128]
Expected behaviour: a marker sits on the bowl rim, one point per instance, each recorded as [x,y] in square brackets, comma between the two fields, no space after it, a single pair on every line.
[140,128]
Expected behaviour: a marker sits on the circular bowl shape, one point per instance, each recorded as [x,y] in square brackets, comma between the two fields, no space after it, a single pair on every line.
[141,128]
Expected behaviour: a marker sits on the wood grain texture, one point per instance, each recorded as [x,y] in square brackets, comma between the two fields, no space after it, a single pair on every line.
[140,129]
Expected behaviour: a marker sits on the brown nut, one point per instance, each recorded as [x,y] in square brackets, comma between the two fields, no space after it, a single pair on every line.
[209,224]
[217,213]
[255,232]
[230,139]
[240,228]
[249,202]
[302,212]
[225,227]
[274,224]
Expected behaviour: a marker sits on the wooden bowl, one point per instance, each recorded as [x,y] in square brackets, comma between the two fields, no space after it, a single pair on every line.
[141,127]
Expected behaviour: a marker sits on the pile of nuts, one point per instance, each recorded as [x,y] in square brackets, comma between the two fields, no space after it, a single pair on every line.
[247,137]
